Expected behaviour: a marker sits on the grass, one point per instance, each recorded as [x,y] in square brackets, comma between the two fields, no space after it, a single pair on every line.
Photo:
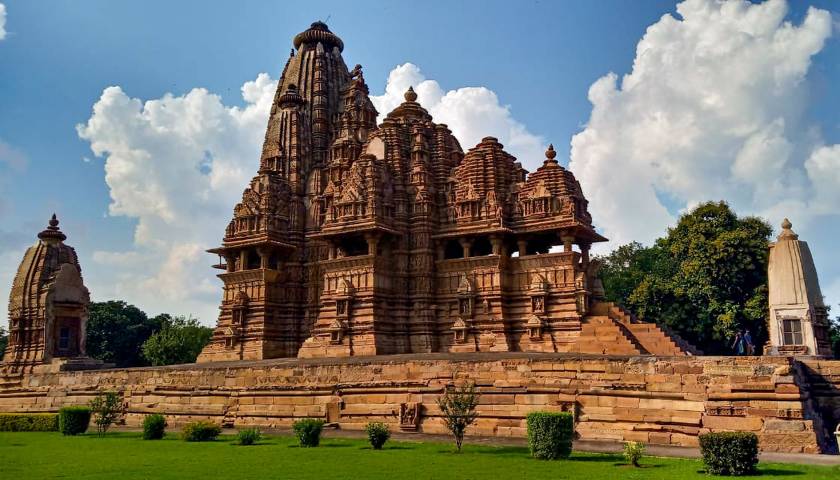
[126,456]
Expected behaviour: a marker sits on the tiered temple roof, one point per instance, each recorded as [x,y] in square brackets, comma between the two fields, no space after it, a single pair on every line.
[358,239]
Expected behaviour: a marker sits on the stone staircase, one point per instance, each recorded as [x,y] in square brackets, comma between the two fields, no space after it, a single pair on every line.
[609,329]
[599,334]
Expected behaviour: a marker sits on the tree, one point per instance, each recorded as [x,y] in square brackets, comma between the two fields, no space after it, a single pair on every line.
[116,331]
[180,340]
[4,340]
[457,405]
[834,335]
[106,408]
[706,279]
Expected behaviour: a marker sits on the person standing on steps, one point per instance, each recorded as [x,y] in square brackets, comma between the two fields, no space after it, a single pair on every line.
[748,343]
[738,344]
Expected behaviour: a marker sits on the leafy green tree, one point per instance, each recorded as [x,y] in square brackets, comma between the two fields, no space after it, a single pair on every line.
[116,331]
[458,410]
[706,279]
[834,336]
[4,340]
[106,408]
[179,341]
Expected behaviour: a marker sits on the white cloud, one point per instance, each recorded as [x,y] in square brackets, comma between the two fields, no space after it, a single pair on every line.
[470,112]
[178,164]
[2,21]
[714,108]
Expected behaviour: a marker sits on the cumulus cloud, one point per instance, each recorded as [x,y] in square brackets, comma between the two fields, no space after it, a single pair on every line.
[470,112]
[715,107]
[177,164]
[2,21]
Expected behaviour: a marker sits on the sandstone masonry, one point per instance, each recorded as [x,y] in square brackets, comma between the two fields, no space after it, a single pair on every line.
[792,405]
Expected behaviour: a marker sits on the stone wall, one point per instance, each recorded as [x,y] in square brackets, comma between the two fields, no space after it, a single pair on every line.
[655,400]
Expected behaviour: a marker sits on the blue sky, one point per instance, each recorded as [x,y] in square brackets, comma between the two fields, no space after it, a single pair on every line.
[535,60]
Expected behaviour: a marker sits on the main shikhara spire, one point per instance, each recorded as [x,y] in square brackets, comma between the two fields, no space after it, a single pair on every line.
[358,239]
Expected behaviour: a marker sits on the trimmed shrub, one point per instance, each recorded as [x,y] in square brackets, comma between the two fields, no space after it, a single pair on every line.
[378,434]
[249,436]
[550,434]
[729,453]
[73,420]
[633,452]
[308,431]
[28,422]
[154,427]
[200,431]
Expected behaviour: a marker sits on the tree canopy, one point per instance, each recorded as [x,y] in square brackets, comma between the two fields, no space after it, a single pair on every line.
[705,279]
[117,330]
[180,340]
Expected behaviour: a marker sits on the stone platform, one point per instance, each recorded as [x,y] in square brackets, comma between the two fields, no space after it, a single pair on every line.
[792,404]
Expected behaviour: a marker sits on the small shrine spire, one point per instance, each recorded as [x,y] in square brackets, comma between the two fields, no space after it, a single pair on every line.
[52,232]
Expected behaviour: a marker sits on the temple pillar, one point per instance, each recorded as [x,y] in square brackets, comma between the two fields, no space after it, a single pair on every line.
[466,244]
[264,257]
[372,241]
[230,262]
[496,242]
[243,259]
[584,253]
[523,247]
[568,241]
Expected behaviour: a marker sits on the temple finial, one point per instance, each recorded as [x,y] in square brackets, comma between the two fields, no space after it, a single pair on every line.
[52,234]
[787,232]
[549,155]
[410,95]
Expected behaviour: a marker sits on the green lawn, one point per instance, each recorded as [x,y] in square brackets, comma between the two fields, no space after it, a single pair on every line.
[127,456]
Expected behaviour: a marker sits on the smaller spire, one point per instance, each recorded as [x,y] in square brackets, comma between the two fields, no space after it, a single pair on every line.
[787,232]
[52,232]
[410,96]
[549,155]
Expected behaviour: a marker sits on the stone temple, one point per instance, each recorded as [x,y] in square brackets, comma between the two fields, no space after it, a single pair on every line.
[48,307]
[363,239]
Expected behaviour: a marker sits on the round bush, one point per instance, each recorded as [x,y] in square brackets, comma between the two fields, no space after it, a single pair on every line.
[378,434]
[248,436]
[200,431]
[550,434]
[154,427]
[729,453]
[73,420]
[308,431]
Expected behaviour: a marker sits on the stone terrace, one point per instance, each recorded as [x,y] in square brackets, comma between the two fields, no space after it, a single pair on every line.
[657,400]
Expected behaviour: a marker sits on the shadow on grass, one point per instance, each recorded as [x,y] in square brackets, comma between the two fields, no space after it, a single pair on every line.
[598,458]
[640,467]
[502,451]
[777,472]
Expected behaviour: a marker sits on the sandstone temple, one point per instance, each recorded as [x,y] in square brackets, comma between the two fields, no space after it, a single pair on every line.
[363,239]
[370,267]
[48,306]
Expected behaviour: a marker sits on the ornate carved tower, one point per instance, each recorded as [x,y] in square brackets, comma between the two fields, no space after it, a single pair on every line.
[271,280]
[48,306]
